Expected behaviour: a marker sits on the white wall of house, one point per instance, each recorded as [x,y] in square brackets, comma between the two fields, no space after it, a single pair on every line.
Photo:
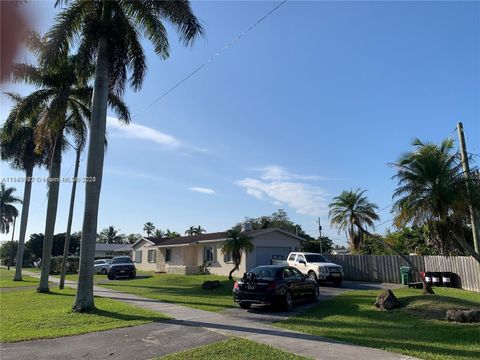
[145,263]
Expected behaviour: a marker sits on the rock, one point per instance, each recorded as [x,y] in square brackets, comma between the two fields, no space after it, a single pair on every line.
[387,301]
[463,315]
[210,285]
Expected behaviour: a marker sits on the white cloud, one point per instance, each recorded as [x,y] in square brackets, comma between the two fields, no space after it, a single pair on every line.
[281,187]
[203,190]
[136,131]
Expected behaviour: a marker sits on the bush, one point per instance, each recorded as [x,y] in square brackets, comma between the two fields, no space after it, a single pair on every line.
[72,264]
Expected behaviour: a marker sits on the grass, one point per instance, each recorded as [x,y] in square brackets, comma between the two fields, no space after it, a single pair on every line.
[6,279]
[27,315]
[233,349]
[179,289]
[417,329]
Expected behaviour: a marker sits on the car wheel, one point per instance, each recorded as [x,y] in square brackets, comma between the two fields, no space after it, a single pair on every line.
[245,305]
[111,277]
[288,302]
[104,271]
[312,276]
[132,275]
[316,294]
[337,283]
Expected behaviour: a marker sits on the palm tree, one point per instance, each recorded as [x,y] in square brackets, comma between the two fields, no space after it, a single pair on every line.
[17,145]
[62,102]
[236,243]
[111,235]
[351,208]
[191,231]
[171,234]
[200,230]
[158,233]
[9,212]
[149,228]
[108,33]
[352,212]
[433,191]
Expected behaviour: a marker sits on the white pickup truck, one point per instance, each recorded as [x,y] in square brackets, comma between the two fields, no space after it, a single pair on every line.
[317,267]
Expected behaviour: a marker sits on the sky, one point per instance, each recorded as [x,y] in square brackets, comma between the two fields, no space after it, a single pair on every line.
[318,98]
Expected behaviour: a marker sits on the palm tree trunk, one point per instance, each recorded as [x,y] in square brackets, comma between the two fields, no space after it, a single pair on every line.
[53,189]
[461,241]
[427,289]
[23,222]
[70,218]
[84,296]
[10,258]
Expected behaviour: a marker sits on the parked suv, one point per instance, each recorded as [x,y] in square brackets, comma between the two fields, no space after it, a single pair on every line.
[121,266]
[101,266]
[317,267]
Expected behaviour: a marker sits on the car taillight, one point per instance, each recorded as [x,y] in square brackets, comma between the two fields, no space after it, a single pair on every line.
[235,286]
[272,286]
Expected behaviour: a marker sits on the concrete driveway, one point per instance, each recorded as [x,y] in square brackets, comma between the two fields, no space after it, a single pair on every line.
[267,314]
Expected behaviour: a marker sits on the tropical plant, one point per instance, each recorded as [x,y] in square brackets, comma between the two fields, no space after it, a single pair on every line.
[110,235]
[432,191]
[158,233]
[149,228]
[133,238]
[235,244]
[8,210]
[171,234]
[62,101]
[17,146]
[349,209]
[200,230]
[191,231]
[108,33]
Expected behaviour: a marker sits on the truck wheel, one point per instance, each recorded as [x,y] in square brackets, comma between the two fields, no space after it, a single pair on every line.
[288,302]
[312,275]
[110,277]
[104,271]
[245,305]
[337,283]
[132,275]
[316,294]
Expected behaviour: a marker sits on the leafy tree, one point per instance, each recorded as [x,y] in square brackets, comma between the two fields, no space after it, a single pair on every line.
[34,245]
[235,244]
[108,33]
[432,191]
[200,230]
[133,238]
[149,228]
[191,231]
[313,245]
[8,210]
[110,235]
[171,234]
[158,233]
[17,146]
[8,248]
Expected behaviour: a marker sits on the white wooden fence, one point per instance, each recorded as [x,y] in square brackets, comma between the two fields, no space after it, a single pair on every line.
[386,268]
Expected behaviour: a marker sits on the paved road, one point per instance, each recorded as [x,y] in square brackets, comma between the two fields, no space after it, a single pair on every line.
[188,320]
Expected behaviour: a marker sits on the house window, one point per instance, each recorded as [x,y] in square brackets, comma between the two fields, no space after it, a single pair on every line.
[208,253]
[168,255]
[138,256]
[152,256]
[227,258]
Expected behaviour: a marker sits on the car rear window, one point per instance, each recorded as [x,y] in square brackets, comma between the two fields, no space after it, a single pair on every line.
[121,260]
[267,272]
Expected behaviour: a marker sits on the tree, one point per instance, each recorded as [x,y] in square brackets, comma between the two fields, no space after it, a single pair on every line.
[350,212]
[351,208]
[432,191]
[171,234]
[62,99]
[313,245]
[17,145]
[108,33]
[133,238]
[158,233]
[7,207]
[111,235]
[149,228]
[200,230]
[34,245]
[191,231]
[235,244]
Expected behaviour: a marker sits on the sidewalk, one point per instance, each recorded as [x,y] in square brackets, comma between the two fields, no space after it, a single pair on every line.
[298,343]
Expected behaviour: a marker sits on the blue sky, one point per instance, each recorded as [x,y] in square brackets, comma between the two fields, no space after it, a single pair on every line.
[318,98]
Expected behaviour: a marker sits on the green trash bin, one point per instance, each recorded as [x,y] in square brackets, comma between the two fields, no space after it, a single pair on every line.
[405,274]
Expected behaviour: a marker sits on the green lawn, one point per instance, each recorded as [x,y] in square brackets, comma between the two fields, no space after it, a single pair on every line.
[27,315]
[417,329]
[233,349]
[180,289]
[6,279]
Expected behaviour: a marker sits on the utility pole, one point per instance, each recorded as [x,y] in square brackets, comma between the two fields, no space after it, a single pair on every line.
[320,234]
[466,173]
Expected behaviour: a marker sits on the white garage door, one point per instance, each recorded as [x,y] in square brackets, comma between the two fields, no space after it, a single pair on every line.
[265,254]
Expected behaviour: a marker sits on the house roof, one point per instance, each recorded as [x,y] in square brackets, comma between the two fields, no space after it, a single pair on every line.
[112,247]
[210,237]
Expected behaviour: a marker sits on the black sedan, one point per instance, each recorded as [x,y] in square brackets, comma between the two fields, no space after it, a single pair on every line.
[274,285]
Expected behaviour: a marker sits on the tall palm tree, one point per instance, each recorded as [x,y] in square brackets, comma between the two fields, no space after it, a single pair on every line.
[235,244]
[349,209]
[17,145]
[158,233]
[171,234]
[200,230]
[62,99]
[110,235]
[191,231]
[149,228]
[8,212]
[109,32]
[352,212]
[433,191]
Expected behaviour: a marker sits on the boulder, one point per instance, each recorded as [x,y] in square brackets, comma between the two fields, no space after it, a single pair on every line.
[463,315]
[387,301]
[210,285]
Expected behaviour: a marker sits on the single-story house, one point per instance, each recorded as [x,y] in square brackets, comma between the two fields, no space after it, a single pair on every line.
[187,254]
[111,250]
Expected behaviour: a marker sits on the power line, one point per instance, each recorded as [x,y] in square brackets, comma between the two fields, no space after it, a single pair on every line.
[210,60]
